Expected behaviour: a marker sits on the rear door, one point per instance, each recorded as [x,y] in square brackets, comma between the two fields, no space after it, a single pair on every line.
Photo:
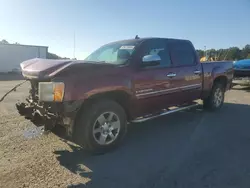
[187,68]
[153,86]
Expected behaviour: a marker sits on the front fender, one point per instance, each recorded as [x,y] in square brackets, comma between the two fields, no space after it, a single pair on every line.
[85,90]
[103,90]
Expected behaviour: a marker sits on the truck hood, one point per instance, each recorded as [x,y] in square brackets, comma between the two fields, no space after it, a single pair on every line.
[46,68]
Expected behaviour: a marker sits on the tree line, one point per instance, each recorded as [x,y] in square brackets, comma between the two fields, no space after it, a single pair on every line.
[232,53]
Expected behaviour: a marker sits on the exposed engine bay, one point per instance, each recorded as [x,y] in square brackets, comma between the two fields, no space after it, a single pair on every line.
[47,114]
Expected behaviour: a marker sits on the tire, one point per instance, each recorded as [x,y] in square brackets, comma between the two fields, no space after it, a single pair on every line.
[216,98]
[93,134]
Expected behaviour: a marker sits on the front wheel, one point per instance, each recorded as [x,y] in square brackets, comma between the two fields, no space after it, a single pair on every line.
[101,126]
[216,98]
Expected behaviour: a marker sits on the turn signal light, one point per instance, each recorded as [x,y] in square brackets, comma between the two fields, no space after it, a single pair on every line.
[58,92]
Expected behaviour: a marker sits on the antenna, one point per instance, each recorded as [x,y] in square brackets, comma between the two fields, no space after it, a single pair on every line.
[136,37]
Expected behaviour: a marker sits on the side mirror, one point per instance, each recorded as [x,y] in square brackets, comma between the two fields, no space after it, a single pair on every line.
[151,60]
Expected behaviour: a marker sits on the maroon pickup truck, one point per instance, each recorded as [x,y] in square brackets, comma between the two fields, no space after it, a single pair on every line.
[119,83]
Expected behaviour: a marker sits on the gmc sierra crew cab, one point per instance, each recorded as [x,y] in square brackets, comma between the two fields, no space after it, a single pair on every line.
[119,83]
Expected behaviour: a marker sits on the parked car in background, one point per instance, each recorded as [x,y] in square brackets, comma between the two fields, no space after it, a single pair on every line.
[125,81]
[242,72]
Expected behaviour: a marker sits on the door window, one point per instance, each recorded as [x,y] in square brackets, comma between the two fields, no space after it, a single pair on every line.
[182,53]
[157,47]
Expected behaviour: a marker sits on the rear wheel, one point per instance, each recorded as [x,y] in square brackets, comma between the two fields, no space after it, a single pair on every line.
[101,126]
[216,98]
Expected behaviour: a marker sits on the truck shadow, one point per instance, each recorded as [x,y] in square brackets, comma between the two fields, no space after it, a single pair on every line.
[150,147]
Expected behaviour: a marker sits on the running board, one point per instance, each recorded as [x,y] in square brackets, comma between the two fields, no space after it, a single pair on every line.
[142,119]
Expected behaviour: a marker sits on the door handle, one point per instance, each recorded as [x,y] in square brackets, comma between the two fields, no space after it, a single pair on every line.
[197,72]
[171,75]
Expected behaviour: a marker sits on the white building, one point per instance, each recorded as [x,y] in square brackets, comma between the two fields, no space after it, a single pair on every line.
[11,55]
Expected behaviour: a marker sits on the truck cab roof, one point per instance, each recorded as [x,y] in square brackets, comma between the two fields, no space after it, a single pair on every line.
[126,41]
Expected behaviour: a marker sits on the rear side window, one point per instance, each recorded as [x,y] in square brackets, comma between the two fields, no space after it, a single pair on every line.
[182,53]
[159,47]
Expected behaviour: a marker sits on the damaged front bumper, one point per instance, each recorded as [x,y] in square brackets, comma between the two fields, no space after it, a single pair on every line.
[50,114]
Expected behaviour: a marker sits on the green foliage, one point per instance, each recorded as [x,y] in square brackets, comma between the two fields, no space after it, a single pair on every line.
[200,53]
[54,56]
[232,53]
[4,41]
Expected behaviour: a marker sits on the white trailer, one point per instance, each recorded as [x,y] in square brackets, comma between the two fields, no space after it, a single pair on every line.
[11,55]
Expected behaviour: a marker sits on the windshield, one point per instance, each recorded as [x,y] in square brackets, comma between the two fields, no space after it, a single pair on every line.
[114,53]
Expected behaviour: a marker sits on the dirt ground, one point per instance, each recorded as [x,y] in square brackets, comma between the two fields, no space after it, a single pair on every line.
[187,149]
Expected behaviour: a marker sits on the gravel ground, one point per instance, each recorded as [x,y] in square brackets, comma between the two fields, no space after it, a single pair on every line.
[186,149]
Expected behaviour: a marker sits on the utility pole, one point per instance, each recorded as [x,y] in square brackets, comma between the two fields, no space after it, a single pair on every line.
[226,55]
[74,46]
[205,52]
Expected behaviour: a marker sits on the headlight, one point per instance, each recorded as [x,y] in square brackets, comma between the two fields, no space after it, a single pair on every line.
[51,91]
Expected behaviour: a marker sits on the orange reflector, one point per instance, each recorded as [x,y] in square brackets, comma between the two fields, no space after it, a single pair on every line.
[58,91]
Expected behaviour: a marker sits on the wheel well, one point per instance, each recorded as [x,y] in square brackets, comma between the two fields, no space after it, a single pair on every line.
[222,80]
[121,97]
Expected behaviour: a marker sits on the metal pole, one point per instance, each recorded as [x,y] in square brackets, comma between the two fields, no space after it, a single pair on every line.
[74,46]
[205,52]
[226,55]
